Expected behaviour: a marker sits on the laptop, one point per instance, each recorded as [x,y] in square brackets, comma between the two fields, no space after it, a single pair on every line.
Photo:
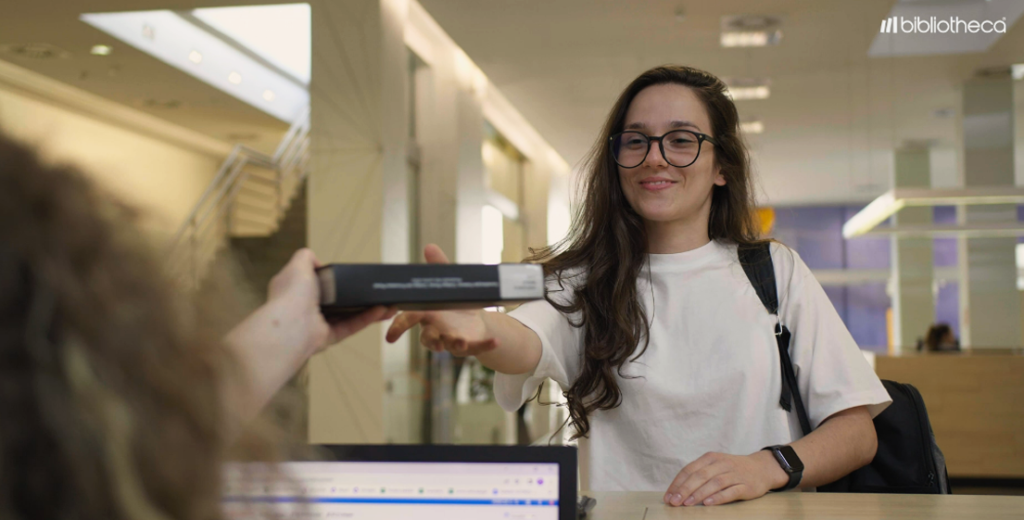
[399,482]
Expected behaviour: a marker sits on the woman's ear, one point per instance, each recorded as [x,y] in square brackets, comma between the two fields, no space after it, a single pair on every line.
[719,177]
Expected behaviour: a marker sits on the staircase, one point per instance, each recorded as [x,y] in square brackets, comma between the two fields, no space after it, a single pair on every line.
[249,198]
[261,257]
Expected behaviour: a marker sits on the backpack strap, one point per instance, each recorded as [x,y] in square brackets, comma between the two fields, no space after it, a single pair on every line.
[756,260]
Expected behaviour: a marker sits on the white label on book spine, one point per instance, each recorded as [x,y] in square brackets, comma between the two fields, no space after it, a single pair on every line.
[521,281]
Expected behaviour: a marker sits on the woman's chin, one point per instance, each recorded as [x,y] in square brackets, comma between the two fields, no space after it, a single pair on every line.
[659,215]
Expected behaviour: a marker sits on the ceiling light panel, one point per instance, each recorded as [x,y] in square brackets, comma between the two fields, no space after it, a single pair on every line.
[194,50]
[280,34]
[750,31]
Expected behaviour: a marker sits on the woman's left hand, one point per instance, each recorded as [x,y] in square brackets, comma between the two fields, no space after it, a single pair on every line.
[718,478]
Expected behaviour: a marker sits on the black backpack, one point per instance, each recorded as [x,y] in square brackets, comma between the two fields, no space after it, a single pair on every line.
[907,460]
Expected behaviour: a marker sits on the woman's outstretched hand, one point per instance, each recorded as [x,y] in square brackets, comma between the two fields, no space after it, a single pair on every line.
[461,332]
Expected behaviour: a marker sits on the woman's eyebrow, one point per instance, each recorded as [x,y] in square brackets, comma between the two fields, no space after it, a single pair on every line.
[680,124]
[672,124]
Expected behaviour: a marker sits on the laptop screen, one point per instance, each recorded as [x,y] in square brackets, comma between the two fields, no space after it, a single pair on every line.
[394,490]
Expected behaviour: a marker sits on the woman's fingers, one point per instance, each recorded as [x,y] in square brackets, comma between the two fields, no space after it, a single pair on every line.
[430,338]
[434,255]
[402,323]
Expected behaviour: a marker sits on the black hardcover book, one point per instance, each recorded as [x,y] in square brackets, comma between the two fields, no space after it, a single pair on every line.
[347,289]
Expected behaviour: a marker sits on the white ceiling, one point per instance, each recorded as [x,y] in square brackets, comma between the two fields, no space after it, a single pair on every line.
[830,125]
[832,120]
[130,76]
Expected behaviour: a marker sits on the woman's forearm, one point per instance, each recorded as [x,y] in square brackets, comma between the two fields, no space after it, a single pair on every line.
[519,347]
[269,348]
[843,443]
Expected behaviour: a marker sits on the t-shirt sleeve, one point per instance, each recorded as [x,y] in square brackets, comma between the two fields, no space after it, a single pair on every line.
[560,350]
[831,371]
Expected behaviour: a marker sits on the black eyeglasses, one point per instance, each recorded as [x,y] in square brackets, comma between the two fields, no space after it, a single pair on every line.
[680,148]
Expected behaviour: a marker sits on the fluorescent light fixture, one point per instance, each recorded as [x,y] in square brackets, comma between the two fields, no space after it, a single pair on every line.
[885,206]
[101,50]
[752,127]
[268,95]
[280,34]
[750,38]
[744,93]
[892,201]
[175,39]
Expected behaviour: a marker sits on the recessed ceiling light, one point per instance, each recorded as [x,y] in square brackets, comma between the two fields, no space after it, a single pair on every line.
[752,127]
[234,78]
[750,31]
[101,50]
[750,39]
[268,95]
[148,32]
[195,57]
[743,93]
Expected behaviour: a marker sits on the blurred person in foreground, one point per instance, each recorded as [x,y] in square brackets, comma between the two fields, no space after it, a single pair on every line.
[119,399]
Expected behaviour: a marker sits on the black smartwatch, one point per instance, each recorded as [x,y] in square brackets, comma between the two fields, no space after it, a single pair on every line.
[791,464]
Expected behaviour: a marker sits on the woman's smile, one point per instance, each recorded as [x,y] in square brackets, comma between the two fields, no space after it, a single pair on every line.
[657,183]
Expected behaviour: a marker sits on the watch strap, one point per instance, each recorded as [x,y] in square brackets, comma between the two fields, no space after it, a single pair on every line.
[794,476]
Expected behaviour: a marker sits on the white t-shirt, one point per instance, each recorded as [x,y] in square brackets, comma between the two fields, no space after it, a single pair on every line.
[710,379]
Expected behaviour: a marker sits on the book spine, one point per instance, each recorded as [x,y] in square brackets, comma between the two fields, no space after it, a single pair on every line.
[360,285]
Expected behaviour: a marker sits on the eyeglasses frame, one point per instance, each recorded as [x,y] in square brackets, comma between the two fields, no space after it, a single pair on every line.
[651,138]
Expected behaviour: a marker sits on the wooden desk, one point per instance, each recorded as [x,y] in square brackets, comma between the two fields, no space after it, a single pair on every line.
[817,506]
[975,404]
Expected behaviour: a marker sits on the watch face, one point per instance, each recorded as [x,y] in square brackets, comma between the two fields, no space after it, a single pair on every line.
[792,460]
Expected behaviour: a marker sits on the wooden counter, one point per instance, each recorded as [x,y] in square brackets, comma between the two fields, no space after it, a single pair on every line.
[818,506]
[975,402]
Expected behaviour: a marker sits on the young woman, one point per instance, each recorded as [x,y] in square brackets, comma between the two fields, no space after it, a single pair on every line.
[667,356]
[115,401]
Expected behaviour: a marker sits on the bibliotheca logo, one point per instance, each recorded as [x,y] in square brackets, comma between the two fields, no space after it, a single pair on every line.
[934,25]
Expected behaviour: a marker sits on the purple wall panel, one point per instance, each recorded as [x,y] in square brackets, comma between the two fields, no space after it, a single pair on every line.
[814,232]
[947,306]
[866,252]
[865,315]
[944,250]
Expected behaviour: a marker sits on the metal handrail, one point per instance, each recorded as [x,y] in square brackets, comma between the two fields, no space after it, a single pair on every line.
[198,239]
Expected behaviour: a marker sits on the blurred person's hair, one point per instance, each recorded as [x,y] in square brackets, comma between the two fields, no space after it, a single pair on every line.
[606,248]
[935,338]
[110,380]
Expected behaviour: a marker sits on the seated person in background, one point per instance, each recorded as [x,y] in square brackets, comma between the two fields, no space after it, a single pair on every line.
[940,338]
[116,400]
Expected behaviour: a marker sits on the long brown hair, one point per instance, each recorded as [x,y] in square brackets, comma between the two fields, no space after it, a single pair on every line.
[607,242]
[110,383]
